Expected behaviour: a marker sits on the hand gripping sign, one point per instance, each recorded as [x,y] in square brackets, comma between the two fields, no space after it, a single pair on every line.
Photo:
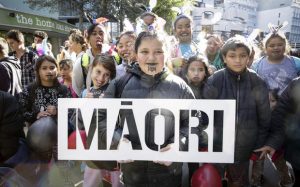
[100,118]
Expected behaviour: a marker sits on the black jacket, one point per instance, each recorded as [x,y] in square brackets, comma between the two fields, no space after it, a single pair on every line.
[287,115]
[252,109]
[162,86]
[11,126]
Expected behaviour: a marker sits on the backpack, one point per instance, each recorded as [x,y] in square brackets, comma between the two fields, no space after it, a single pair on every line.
[15,74]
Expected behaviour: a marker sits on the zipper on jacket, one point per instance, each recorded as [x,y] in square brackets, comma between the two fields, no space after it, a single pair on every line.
[237,103]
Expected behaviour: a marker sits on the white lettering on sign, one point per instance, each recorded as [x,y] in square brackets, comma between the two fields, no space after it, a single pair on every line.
[24,20]
[150,124]
[38,21]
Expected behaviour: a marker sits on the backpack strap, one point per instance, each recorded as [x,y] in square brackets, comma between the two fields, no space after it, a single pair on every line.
[296,62]
[85,61]
[121,83]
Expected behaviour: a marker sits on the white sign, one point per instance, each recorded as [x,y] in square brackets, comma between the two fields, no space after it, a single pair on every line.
[136,110]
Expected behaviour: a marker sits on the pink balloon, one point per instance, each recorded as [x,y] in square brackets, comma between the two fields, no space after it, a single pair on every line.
[206,175]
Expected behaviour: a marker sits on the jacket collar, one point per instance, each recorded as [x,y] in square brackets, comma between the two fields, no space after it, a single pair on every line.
[235,74]
[147,80]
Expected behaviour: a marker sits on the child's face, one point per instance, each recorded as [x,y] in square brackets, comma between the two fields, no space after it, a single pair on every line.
[48,73]
[37,40]
[13,44]
[65,72]
[97,37]
[183,30]
[237,60]
[272,101]
[125,48]
[213,46]
[275,48]
[100,76]
[74,46]
[148,20]
[150,56]
[196,72]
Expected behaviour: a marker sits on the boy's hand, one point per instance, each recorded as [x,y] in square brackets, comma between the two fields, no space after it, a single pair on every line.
[165,163]
[51,110]
[42,114]
[89,95]
[125,161]
[265,150]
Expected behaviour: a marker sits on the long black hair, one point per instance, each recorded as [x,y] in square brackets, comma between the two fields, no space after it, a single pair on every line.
[38,65]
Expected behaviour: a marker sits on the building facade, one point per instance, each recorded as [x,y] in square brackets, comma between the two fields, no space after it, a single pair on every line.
[276,12]
[230,17]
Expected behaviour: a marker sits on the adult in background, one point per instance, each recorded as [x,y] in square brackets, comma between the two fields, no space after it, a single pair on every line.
[27,58]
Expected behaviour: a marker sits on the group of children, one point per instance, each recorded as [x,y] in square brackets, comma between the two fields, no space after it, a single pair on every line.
[147,70]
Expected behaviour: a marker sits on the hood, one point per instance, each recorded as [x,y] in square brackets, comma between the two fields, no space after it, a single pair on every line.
[12,60]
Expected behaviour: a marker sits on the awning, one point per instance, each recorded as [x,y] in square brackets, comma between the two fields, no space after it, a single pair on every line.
[12,19]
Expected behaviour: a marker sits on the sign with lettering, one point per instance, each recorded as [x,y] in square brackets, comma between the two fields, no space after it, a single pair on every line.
[25,20]
[150,124]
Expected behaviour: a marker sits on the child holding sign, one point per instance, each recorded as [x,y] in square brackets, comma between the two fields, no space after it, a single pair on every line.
[149,78]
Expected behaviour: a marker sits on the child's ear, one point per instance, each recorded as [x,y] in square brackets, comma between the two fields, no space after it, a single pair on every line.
[224,56]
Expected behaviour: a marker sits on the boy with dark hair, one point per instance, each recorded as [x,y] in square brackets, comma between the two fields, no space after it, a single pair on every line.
[26,57]
[39,36]
[253,112]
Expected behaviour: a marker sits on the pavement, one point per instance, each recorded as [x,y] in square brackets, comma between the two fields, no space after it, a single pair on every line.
[69,173]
